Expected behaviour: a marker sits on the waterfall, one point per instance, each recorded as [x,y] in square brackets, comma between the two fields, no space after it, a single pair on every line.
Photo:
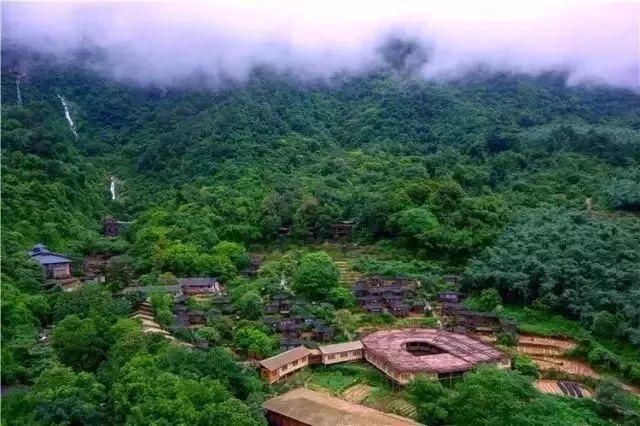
[18,92]
[113,188]
[67,115]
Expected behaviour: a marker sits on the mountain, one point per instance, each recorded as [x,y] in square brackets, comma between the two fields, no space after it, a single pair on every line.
[521,183]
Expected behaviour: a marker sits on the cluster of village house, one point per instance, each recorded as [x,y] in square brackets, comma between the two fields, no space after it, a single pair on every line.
[398,296]
[459,318]
[375,294]
[399,354]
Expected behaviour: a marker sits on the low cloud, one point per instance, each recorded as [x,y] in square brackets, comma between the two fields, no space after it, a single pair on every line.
[163,43]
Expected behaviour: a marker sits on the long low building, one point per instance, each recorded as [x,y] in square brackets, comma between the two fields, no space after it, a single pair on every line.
[274,368]
[341,352]
[439,354]
[282,365]
[304,407]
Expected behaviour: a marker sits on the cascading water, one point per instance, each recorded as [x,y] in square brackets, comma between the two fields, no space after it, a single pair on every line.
[113,188]
[67,115]
[18,93]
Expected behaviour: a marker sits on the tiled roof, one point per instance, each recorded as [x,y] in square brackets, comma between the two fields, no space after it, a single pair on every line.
[319,409]
[460,352]
[50,258]
[197,282]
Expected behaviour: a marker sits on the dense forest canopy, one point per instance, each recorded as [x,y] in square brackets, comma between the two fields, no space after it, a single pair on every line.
[520,183]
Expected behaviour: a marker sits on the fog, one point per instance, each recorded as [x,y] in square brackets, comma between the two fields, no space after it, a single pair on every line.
[164,43]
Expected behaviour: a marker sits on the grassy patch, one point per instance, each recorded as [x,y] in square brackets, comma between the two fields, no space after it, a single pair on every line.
[339,377]
[334,380]
[543,323]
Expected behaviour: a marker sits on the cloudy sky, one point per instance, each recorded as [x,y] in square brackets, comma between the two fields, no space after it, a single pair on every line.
[596,41]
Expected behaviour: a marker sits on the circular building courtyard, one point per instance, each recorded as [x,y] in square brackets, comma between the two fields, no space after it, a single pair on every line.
[439,354]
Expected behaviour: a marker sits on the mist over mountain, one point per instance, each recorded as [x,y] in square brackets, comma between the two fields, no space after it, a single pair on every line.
[162,43]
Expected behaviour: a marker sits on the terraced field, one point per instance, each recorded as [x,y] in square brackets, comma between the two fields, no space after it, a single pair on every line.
[347,275]
[357,393]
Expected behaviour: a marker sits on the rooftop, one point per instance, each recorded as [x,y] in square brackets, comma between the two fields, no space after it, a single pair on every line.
[46,257]
[50,258]
[319,409]
[197,282]
[341,347]
[284,358]
[459,352]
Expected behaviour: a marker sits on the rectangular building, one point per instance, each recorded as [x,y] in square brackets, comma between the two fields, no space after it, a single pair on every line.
[341,352]
[274,368]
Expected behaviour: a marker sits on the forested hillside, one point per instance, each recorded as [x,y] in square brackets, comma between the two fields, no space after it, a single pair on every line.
[519,183]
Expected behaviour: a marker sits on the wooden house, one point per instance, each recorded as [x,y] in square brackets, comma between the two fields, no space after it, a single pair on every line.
[481,321]
[418,307]
[374,307]
[450,296]
[342,229]
[110,227]
[398,308]
[56,266]
[272,308]
[322,333]
[279,366]
[200,286]
[222,304]
[291,329]
[272,322]
[341,352]
[287,344]
[449,309]
[279,304]
[255,260]
[181,313]
[195,317]
[453,280]
[391,299]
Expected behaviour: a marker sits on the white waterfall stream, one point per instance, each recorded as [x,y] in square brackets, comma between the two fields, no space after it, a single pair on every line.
[113,188]
[18,93]
[67,115]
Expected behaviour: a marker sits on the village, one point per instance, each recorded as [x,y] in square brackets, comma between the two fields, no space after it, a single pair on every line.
[434,336]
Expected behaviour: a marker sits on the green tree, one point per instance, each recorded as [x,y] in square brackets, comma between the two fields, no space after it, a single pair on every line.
[525,366]
[489,299]
[250,305]
[430,400]
[59,396]
[615,403]
[253,341]
[77,343]
[315,276]
[345,323]
[341,298]
[234,252]
[209,334]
